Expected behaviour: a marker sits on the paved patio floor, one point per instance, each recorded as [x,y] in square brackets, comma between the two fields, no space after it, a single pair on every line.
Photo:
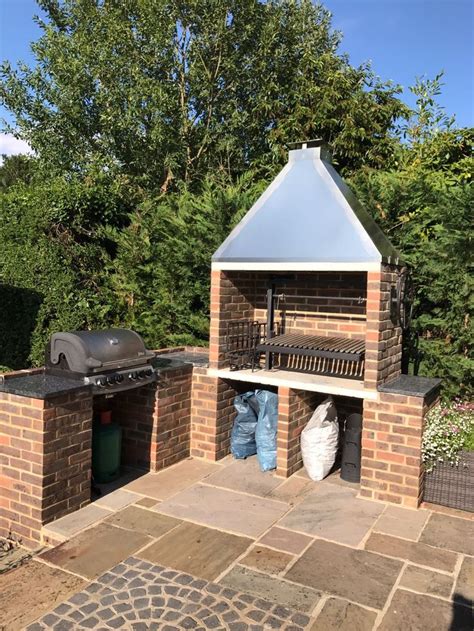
[224,546]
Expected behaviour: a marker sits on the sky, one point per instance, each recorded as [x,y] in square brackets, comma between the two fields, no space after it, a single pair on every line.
[404,39]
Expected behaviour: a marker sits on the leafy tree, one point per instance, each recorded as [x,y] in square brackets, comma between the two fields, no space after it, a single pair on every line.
[160,274]
[15,169]
[425,207]
[167,92]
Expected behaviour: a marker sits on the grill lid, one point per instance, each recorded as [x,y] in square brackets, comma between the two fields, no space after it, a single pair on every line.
[88,351]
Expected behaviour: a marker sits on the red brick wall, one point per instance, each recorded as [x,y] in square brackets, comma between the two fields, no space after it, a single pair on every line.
[315,315]
[392,468]
[44,462]
[242,295]
[155,420]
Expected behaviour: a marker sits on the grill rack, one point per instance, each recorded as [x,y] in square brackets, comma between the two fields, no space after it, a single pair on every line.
[246,340]
[317,354]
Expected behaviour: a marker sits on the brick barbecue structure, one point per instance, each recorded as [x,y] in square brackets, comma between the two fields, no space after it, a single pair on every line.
[305,262]
[333,274]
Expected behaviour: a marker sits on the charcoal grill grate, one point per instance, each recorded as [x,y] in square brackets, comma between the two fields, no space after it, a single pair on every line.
[316,354]
[245,342]
[314,345]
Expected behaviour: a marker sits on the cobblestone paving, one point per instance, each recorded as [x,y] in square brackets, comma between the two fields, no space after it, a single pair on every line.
[140,596]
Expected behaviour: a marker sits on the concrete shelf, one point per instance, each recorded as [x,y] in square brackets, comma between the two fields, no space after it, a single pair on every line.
[299,381]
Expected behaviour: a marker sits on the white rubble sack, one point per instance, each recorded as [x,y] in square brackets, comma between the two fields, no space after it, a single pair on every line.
[319,440]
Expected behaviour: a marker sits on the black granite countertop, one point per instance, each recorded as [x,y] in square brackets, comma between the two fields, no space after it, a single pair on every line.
[40,386]
[176,359]
[412,386]
[43,386]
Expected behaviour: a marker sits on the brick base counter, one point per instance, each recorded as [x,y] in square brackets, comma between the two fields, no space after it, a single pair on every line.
[392,432]
[45,460]
[46,439]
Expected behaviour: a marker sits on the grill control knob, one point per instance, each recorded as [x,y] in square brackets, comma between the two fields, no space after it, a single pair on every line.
[102,382]
[110,381]
[149,372]
[140,375]
[132,376]
[119,378]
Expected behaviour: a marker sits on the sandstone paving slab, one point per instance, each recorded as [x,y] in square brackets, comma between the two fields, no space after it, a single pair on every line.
[144,521]
[417,612]
[464,589]
[245,476]
[198,550]
[362,577]
[418,553]
[95,550]
[402,522]
[426,581]
[286,540]
[447,510]
[168,482]
[32,590]
[146,502]
[266,560]
[292,490]
[335,513]
[452,533]
[224,509]
[71,524]
[117,499]
[142,596]
[343,616]
[271,588]
[335,478]
[302,473]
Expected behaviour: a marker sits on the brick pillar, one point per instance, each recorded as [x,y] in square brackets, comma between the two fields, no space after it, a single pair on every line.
[392,468]
[45,462]
[172,432]
[216,331]
[231,299]
[383,354]
[212,415]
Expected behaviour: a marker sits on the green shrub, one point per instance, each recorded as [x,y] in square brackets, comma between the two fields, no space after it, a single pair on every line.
[52,262]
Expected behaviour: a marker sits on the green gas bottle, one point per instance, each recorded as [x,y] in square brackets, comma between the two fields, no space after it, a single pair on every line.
[106,450]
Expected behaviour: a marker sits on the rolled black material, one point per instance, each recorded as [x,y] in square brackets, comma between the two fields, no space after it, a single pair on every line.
[350,466]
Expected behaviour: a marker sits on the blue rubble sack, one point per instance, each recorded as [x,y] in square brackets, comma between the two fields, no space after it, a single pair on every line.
[242,439]
[266,434]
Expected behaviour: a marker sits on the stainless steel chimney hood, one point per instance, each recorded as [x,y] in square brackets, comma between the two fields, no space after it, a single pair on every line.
[307,219]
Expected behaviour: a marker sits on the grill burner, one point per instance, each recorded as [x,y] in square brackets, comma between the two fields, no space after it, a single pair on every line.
[110,361]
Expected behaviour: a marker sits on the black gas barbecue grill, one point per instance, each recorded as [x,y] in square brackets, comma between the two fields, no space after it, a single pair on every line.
[110,361]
